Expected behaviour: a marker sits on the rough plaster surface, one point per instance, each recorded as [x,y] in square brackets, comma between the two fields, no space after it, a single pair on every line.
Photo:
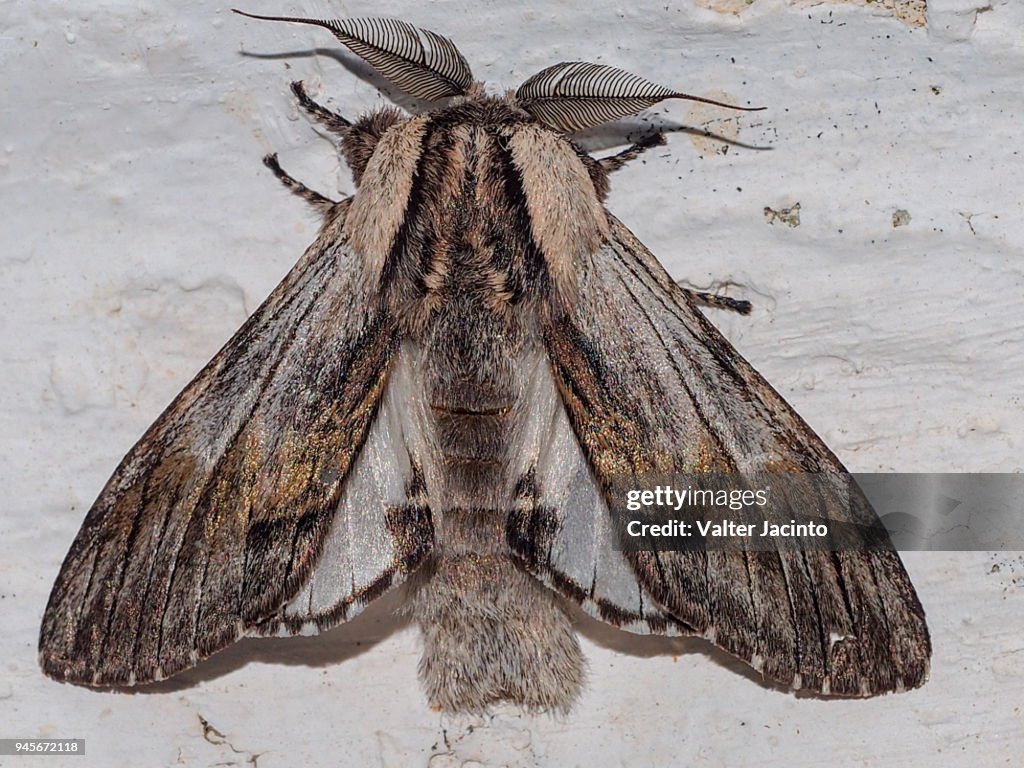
[140,229]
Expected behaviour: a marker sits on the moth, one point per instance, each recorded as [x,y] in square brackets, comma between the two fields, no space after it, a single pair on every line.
[439,397]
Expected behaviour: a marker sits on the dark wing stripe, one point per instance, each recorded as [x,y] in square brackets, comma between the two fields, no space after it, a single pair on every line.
[413,231]
[809,651]
[515,225]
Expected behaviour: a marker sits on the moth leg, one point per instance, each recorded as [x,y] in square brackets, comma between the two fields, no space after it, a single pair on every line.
[333,122]
[615,162]
[718,302]
[320,202]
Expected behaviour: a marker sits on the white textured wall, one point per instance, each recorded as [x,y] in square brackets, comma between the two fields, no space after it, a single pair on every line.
[139,230]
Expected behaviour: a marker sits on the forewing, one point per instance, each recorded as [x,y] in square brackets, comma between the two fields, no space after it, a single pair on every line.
[651,386]
[216,517]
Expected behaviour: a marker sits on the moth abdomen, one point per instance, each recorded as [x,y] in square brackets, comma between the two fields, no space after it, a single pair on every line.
[471,435]
[491,631]
[475,399]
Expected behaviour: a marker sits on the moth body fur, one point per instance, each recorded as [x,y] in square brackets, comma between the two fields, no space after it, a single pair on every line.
[439,398]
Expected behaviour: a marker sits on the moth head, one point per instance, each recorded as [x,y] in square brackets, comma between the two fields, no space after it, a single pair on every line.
[577,95]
